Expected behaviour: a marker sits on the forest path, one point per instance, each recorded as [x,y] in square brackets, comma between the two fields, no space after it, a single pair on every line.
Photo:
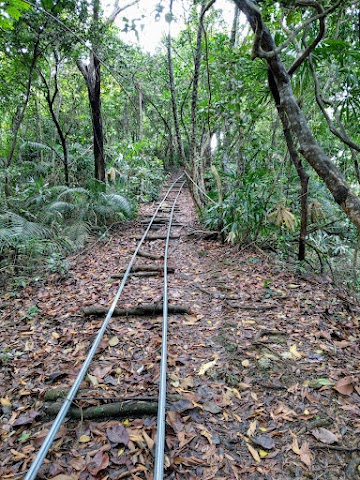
[266,367]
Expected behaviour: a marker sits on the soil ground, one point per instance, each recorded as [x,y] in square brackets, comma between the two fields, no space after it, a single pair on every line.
[263,373]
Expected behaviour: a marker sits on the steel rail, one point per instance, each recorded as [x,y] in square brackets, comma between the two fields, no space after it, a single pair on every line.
[160,435]
[36,464]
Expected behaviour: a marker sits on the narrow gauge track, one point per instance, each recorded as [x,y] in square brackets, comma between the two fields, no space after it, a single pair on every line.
[163,207]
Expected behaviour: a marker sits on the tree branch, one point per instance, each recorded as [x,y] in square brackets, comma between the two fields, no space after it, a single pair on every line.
[259,52]
[341,136]
[317,40]
[118,10]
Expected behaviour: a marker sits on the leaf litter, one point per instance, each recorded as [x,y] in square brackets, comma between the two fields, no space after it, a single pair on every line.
[258,393]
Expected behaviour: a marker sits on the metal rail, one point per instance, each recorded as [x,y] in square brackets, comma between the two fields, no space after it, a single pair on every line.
[160,435]
[36,464]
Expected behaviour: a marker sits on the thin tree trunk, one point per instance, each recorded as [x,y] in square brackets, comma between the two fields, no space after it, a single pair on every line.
[180,145]
[304,181]
[19,116]
[91,74]
[195,160]
[140,103]
[234,28]
[50,99]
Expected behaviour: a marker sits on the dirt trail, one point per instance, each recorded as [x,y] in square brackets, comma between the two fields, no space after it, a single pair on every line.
[263,373]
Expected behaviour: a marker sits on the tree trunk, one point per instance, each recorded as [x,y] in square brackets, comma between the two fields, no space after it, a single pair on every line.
[179,142]
[91,74]
[50,99]
[20,114]
[304,181]
[140,100]
[195,159]
[309,148]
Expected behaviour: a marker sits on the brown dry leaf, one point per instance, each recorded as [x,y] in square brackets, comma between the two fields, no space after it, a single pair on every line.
[190,319]
[62,476]
[149,441]
[99,462]
[92,379]
[5,402]
[187,382]
[113,341]
[295,445]
[118,434]
[206,366]
[188,461]
[174,420]
[252,428]
[345,385]
[207,435]
[306,455]
[294,352]
[324,435]
[254,453]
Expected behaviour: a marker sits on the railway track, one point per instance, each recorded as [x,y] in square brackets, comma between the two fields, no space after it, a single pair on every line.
[162,223]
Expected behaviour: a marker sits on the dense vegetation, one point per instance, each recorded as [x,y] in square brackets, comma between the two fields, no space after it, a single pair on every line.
[90,124]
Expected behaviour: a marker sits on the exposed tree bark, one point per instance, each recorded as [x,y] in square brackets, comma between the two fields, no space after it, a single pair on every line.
[92,76]
[265,47]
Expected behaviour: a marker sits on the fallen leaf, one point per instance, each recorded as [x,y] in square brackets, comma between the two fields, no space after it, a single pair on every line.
[252,428]
[26,419]
[324,435]
[206,366]
[92,379]
[174,420]
[294,352]
[84,439]
[263,454]
[99,462]
[182,405]
[305,454]
[295,445]
[345,385]
[207,435]
[113,341]
[5,402]
[63,476]
[211,407]
[264,442]
[188,461]
[149,441]
[190,320]
[318,383]
[118,434]
[254,453]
